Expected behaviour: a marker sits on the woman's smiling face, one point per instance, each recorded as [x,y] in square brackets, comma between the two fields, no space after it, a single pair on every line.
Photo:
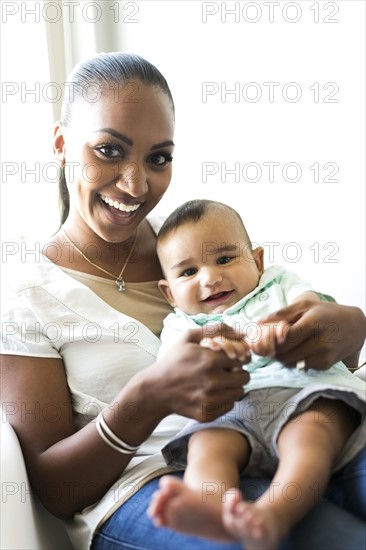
[117,154]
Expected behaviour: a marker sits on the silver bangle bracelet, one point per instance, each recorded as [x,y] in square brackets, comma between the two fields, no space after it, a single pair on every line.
[111,439]
[114,438]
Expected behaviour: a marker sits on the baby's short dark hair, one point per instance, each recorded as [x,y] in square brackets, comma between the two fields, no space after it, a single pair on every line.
[193,211]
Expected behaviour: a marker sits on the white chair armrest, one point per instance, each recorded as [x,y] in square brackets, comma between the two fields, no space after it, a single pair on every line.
[25,523]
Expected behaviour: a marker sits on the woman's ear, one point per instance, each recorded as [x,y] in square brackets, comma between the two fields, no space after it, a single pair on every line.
[165,290]
[258,257]
[59,147]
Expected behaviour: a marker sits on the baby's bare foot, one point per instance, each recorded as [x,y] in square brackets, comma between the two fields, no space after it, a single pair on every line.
[258,528]
[179,507]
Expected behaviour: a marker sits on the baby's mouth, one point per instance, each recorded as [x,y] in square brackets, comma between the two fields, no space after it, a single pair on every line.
[218,297]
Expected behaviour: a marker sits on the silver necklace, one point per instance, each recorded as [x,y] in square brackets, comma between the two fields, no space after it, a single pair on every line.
[120,283]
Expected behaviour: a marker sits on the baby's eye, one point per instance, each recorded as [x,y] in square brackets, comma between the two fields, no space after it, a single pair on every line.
[160,159]
[224,259]
[110,150]
[188,272]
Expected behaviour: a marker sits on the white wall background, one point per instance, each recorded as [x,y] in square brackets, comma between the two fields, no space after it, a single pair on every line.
[319,47]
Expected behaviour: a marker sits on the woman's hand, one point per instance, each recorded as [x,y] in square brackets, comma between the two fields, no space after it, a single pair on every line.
[194,381]
[320,333]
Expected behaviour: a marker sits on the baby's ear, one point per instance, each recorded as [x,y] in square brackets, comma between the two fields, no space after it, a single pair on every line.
[258,256]
[165,290]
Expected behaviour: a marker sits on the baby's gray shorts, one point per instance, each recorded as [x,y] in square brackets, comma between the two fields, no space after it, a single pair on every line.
[260,417]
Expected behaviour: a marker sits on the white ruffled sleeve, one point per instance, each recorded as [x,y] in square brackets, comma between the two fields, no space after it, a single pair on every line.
[21,331]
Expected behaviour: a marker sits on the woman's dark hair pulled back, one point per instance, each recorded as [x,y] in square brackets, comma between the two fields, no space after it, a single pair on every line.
[104,70]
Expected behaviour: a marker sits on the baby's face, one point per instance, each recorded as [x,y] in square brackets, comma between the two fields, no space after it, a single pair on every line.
[209,265]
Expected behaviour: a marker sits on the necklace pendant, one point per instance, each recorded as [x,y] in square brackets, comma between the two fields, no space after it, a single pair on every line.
[121,285]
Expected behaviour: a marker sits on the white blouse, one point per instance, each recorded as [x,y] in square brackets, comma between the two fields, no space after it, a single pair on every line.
[48,313]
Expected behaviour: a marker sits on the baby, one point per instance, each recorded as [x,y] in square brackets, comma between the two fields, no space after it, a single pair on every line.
[298,425]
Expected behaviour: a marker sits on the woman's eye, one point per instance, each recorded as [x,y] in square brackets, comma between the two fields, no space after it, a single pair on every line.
[110,150]
[189,272]
[161,159]
[224,259]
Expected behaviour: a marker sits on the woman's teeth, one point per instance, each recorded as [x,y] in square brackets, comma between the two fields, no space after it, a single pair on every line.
[120,205]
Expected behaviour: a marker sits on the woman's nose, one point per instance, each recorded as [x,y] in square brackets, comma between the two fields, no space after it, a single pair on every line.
[131,178]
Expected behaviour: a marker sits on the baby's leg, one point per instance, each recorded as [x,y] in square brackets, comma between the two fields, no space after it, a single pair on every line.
[216,456]
[194,506]
[308,446]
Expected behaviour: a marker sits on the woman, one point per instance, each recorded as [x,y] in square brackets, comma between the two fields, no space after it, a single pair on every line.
[79,339]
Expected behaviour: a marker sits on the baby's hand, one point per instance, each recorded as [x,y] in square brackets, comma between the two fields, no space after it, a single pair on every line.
[234,349]
[269,336]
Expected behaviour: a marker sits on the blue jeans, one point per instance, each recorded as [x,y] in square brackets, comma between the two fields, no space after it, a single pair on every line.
[337,522]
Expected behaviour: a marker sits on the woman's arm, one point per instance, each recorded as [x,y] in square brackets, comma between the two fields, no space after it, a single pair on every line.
[321,333]
[72,469]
